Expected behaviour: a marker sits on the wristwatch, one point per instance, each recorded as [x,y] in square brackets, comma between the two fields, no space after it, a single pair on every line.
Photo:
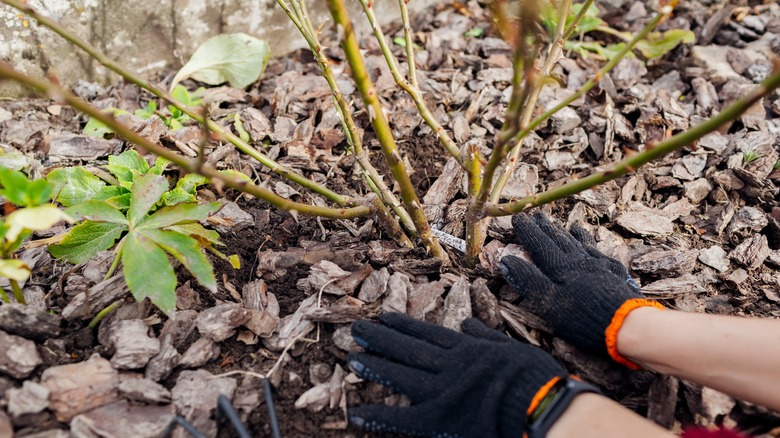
[554,404]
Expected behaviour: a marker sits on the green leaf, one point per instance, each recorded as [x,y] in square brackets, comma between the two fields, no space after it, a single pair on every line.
[85,240]
[96,128]
[177,196]
[198,232]
[14,161]
[14,269]
[74,185]
[658,44]
[123,165]
[190,182]
[97,211]
[37,218]
[401,41]
[179,213]
[183,95]
[238,59]
[121,202]
[160,166]
[21,191]
[589,22]
[474,32]
[147,190]
[148,272]
[188,251]
[148,112]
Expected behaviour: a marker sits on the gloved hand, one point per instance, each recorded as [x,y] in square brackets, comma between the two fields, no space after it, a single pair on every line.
[581,293]
[478,383]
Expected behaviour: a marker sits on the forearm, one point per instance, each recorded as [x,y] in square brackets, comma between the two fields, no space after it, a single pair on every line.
[738,356]
[595,416]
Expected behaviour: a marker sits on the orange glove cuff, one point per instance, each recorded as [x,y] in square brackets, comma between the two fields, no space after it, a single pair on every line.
[541,393]
[617,323]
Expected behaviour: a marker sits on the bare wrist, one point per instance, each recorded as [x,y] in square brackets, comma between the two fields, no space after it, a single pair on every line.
[632,336]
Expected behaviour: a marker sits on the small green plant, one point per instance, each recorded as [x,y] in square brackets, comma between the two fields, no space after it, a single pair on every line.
[777,165]
[147,218]
[654,45]
[35,213]
[174,119]
[750,156]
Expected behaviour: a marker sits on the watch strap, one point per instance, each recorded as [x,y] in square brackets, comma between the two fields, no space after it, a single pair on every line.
[571,388]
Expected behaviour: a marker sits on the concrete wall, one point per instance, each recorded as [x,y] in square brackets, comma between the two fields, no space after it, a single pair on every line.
[149,36]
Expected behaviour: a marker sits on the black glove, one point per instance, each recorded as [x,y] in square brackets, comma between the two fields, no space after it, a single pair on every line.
[478,383]
[581,293]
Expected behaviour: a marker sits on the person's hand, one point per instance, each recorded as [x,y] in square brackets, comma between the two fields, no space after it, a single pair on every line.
[479,383]
[581,293]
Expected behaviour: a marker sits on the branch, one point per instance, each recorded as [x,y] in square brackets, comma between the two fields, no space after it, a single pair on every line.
[410,86]
[651,152]
[665,12]
[381,127]
[300,18]
[223,134]
[553,56]
[524,58]
[191,165]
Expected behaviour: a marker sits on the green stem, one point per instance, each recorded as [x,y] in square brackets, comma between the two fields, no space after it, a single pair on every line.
[553,56]
[375,181]
[6,71]
[662,15]
[410,86]
[4,296]
[382,128]
[580,15]
[103,313]
[651,152]
[18,294]
[115,263]
[223,134]
[524,68]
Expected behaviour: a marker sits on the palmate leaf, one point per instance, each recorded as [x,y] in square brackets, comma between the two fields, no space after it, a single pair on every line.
[148,272]
[37,218]
[123,165]
[147,190]
[21,191]
[74,185]
[198,232]
[179,213]
[14,269]
[97,211]
[186,250]
[85,240]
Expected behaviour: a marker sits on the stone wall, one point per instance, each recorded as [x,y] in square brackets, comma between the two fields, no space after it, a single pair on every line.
[149,36]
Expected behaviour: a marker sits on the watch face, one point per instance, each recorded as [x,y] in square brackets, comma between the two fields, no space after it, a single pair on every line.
[548,400]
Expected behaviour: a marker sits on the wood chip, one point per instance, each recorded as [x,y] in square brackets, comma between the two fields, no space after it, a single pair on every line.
[122,419]
[200,353]
[29,322]
[80,387]
[670,263]
[220,322]
[457,305]
[134,346]
[398,287]
[752,252]
[31,398]
[18,357]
